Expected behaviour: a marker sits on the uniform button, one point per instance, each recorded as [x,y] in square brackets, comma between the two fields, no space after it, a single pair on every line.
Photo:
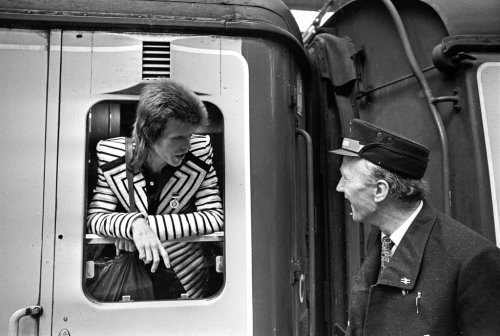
[151,183]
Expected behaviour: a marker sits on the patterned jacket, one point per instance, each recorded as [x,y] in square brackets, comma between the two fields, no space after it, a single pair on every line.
[443,279]
[194,186]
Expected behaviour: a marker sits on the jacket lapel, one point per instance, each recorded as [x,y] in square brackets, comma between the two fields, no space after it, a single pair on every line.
[368,273]
[404,267]
[116,177]
[183,185]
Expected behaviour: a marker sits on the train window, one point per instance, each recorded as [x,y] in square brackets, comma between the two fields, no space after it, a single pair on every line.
[197,260]
[489,85]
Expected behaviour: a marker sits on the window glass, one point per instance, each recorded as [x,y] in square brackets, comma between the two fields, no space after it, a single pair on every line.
[488,77]
[106,178]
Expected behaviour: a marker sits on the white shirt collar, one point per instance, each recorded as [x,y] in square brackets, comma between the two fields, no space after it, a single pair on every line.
[397,235]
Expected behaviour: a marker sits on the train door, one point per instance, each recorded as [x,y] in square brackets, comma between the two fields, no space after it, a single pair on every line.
[27,133]
[101,76]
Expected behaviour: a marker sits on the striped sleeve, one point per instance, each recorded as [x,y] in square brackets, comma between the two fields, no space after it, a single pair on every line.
[102,219]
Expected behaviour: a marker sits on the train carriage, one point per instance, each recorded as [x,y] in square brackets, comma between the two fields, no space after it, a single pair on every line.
[71,75]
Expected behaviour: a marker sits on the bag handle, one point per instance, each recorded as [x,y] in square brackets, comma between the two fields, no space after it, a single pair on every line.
[129,151]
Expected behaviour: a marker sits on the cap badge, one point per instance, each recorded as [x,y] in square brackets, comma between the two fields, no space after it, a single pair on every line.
[351,145]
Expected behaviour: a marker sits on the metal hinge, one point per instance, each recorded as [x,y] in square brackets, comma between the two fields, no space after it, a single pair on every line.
[295,271]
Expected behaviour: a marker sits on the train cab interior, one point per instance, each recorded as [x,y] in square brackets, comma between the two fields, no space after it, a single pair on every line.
[109,119]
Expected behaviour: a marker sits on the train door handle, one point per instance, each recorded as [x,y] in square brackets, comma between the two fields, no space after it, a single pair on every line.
[34,311]
[302,288]
[311,231]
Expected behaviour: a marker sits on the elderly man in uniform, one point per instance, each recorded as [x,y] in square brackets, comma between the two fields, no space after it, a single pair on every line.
[424,273]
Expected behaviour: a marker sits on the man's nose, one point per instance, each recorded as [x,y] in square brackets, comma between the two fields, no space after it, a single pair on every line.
[340,185]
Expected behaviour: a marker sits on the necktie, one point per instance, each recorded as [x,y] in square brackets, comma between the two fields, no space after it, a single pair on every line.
[387,245]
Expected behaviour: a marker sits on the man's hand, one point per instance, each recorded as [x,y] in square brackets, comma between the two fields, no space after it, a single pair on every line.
[147,243]
[124,244]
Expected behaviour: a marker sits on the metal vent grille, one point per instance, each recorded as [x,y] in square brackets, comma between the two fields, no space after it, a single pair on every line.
[155,60]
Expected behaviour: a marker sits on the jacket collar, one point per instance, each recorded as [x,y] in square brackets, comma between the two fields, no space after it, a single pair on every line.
[186,179]
[403,269]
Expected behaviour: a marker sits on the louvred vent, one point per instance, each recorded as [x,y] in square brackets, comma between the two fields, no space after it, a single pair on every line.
[155,60]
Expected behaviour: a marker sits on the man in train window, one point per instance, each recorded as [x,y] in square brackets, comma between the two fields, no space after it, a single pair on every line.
[424,273]
[175,189]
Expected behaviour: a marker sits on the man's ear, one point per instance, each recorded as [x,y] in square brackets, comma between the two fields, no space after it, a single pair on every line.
[382,191]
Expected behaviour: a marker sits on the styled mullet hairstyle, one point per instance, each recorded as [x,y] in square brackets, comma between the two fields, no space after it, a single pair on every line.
[406,190]
[160,102]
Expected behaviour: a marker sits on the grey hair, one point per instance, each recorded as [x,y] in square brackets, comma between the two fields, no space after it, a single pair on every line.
[161,101]
[406,190]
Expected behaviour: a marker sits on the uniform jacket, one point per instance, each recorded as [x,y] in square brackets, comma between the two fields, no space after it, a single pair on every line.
[189,205]
[443,279]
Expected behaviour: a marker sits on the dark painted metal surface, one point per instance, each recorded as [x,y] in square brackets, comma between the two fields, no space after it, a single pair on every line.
[459,17]
[468,17]
[309,5]
[431,102]
[189,15]
[387,93]
[454,52]
[272,147]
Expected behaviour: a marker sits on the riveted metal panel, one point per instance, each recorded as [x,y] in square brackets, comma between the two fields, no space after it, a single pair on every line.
[216,70]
